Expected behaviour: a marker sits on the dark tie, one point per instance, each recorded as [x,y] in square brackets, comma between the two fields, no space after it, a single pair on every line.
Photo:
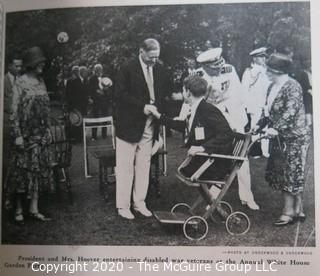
[186,129]
[150,84]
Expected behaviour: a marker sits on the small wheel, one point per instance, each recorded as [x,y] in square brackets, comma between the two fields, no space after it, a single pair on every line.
[237,223]
[224,209]
[181,208]
[195,228]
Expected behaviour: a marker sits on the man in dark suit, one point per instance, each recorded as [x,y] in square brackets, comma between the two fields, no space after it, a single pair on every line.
[78,91]
[14,72]
[77,96]
[141,85]
[305,80]
[207,129]
[101,96]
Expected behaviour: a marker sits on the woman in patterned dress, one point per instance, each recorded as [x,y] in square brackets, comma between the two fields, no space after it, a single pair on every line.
[31,135]
[290,137]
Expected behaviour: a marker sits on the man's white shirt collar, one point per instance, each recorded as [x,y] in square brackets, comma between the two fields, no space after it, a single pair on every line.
[11,77]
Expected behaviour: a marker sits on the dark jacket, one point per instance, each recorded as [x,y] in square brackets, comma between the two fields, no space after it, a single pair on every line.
[77,94]
[218,138]
[93,84]
[218,135]
[132,94]
[305,83]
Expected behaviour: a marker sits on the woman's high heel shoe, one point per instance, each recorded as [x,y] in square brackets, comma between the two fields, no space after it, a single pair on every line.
[18,218]
[39,217]
[301,217]
[284,220]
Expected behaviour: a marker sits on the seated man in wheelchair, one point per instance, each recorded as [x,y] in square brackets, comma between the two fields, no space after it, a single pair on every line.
[206,130]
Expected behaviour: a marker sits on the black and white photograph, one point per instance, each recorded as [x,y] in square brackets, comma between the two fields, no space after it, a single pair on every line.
[159,125]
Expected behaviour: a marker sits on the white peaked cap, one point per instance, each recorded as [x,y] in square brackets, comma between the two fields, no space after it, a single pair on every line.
[210,56]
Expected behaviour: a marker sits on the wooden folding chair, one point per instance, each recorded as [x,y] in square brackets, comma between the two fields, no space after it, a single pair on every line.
[211,193]
[159,162]
[61,150]
[101,149]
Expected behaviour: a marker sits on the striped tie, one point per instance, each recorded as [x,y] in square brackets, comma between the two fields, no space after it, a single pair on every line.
[187,129]
[150,84]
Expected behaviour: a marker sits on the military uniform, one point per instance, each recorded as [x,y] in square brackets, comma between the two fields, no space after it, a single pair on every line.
[226,93]
[226,82]
[225,90]
[255,86]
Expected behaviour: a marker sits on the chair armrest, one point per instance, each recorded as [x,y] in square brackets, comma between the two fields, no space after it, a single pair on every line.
[196,175]
[184,163]
[223,156]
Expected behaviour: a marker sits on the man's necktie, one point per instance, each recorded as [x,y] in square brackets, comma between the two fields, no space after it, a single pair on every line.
[150,84]
[187,128]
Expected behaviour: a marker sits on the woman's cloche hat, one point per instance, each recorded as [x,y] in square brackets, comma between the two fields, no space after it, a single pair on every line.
[279,63]
[33,56]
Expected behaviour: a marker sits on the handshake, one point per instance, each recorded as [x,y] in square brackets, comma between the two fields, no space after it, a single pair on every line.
[150,109]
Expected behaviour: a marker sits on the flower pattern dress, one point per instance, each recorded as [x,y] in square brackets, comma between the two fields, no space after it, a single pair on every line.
[288,150]
[30,120]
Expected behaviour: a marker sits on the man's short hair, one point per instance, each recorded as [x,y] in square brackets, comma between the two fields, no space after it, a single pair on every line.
[75,68]
[98,66]
[196,85]
[13,56]
[150,44]
[83,68]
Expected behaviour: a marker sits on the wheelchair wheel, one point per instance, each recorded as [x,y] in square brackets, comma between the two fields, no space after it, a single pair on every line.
[181,208]
[237,223]
[195,228]
[224,209]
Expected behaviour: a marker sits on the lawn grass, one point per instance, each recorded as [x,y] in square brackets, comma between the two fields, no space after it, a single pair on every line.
[90,220]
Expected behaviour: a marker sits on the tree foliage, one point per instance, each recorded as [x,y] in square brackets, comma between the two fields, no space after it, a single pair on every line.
[111,35]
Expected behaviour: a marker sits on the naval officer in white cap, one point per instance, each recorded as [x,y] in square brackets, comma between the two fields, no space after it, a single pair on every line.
[255,85]
[226,93]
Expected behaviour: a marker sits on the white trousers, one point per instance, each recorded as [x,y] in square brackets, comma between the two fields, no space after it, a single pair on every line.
[244,182]
[132,171]
[264,144]
[265,147]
